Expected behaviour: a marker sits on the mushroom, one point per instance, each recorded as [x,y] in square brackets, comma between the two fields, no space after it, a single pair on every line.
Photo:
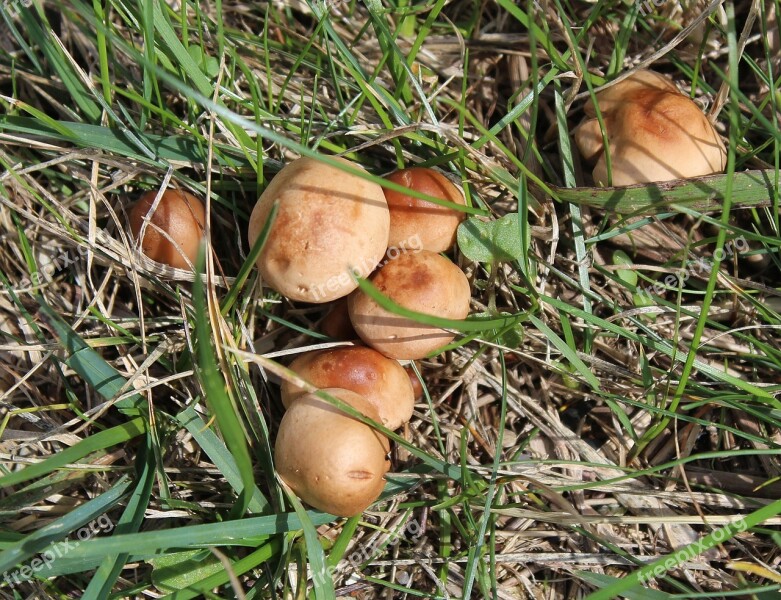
[380,380]
[418,223]
[175,229]
[329,224]
[424,282]
[336,324]
[655,132]
[331,460]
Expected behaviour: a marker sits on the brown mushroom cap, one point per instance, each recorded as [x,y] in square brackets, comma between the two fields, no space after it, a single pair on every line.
[330,460]
[181,216]
[424,282]
[336,324]
[380,380]
[329,224]
[416,223]
[655,133]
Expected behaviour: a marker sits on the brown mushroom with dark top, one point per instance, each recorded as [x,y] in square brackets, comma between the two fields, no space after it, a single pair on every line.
[331,460]
[380,380]
[329,224]
[336,324]
[418,224]
[655,133]
[424,282]
[174,230]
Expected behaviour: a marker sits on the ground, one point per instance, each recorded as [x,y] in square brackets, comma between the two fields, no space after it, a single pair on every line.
[606,421]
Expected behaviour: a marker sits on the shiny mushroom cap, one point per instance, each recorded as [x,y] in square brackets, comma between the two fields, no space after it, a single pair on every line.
[181,216]
[655,133]
[416,223]
[332,461]
[382,381]
[425,282]
[329,224]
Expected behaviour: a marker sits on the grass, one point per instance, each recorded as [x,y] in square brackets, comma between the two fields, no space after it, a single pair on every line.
[597,429]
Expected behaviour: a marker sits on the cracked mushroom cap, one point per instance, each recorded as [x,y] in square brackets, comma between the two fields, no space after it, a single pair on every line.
[416,223]
[425,282]
[329,224]
[332,461]
[655,134]
[181,216]
[380,380]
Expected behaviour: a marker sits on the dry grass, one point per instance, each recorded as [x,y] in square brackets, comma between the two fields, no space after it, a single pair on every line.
[591,435]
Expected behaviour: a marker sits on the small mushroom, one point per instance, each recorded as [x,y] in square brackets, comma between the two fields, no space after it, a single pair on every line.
[332,461]
[380,380]
[655,132]
[425,282]
[336,324]
[329,224]
[416,223]
[181,216]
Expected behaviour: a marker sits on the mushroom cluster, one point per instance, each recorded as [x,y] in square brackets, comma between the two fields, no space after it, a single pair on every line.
[654,132]
[330,227]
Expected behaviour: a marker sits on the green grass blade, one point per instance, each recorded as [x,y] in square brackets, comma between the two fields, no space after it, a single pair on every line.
[132,518]
[97,441]
[59,529]
[90,365]
[217,396]
[215,449]
[750,188]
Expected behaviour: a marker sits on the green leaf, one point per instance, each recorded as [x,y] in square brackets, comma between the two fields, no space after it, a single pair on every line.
[208,64]
[750,188]
[179,570]
[628,276]
[491,241]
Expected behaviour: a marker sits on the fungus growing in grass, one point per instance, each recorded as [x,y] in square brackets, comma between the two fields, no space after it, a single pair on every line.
[329,224]
[380,380]
[655,133]
[411,219]
[417,386]
[336,324]
[424,282]
[175,229]
[331,460]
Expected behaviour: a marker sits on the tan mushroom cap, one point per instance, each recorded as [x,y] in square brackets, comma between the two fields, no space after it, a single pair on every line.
[424,282]
[380,380]
[655,133]
[181,216]
[329,224]
[332,461]
[416,223]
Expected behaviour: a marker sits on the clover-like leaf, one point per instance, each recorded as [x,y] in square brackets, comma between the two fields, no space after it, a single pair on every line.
[491,241]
